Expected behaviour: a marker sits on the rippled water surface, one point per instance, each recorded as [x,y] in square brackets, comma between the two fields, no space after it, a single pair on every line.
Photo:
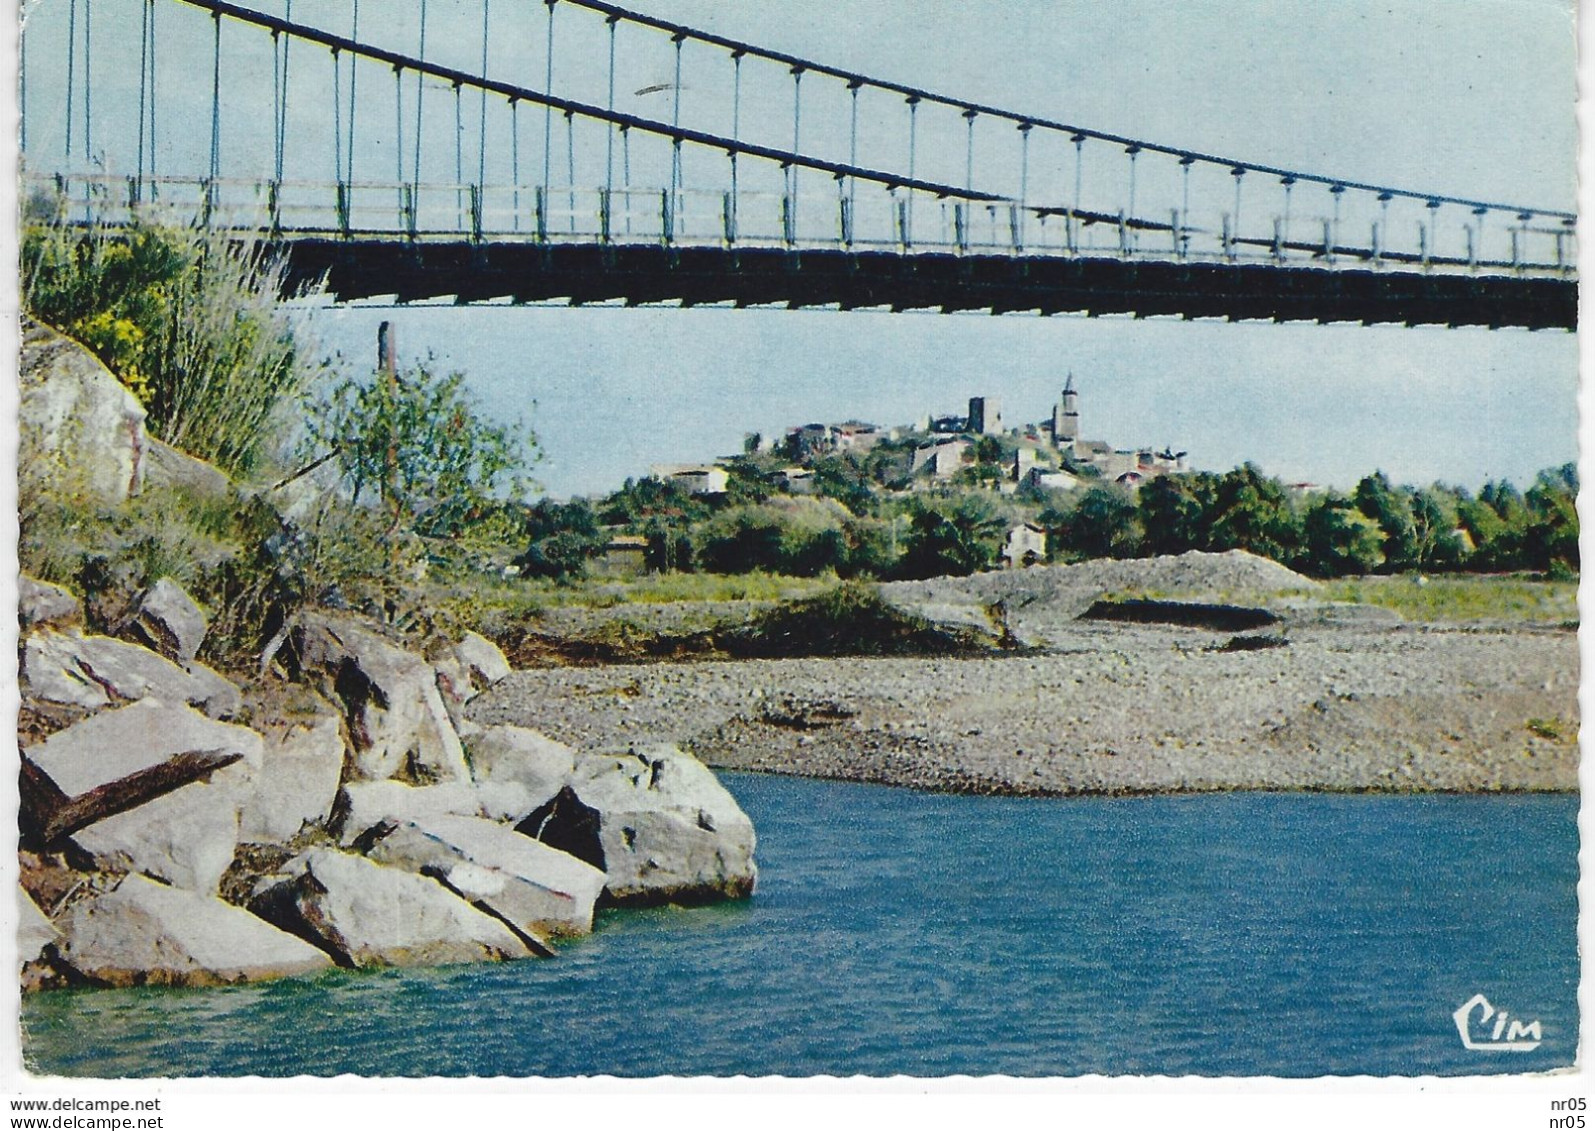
[901,932]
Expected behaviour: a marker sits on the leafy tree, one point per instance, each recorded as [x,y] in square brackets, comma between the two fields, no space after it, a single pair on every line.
[416,442]
[561,539]
[954,537]
[1172,510]
[741,540]
[1434,525]
[1251,511]
[1340,539]
[639,501]
[846,479]
[1550,537]
[1391,508]
[748,481]
[1103,523]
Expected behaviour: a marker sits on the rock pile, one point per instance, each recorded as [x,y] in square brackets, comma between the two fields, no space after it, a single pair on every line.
[172,834]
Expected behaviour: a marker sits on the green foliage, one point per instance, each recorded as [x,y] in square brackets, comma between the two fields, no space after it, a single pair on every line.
[846,479]
[1171,510]
[562,538]
[418,445]
[849,620]
[799,542]
[1252,512]
[1341,539]
[1463,597]
[956,536]
[1103,523]
[187,318]
[640,500]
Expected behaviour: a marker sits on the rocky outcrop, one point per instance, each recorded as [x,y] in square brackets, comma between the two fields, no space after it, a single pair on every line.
[398,725]
[481,659]
[521,756]
[539,890]
[168,620]
[165,466]
[657,822]
[365,914]
[363,805]
[178,780]
[73,669]
[39,604]
[97,770]
[145,933]
[301,766]
[82,431]
[148,826]
[34,930]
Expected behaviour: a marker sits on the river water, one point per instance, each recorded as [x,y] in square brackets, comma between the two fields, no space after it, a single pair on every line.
[902,932]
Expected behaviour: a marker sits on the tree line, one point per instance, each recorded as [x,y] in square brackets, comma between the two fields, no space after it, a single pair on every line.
[853,528]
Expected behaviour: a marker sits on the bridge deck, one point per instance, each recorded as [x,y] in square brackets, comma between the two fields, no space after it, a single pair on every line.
[468,272]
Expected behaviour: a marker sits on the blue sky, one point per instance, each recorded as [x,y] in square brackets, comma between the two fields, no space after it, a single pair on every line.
[1469,98]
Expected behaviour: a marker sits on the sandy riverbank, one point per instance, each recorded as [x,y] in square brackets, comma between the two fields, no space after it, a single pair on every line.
[1108,708]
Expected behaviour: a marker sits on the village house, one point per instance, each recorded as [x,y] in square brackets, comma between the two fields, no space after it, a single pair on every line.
[623,555]
[942,458]
[696,479]
[1025,545]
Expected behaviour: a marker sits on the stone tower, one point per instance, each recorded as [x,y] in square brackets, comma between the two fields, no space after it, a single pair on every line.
[985,415]
[1066,418]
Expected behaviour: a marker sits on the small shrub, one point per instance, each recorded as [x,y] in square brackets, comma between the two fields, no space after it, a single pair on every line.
[188,318]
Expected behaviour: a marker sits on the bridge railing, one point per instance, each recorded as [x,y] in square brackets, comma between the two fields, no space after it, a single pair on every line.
[894,221]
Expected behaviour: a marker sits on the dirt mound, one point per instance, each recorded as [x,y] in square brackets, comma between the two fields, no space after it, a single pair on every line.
[1039,601]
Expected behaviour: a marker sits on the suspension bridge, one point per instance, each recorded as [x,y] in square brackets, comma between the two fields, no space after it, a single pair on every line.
[572,150]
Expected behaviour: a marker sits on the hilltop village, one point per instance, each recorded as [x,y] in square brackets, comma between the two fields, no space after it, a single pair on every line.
[960,494]
[977,449]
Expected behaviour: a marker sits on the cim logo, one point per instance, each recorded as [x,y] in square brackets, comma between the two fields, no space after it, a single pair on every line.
[1504,1036]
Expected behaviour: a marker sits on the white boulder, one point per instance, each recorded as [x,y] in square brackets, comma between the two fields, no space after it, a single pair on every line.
[82,431]
[185,834]
[482,660]
[297,784]
[90,778]
[39,603]
[93,671]
[659,824]
[169,621]
[34,929]
[145,933]
[370,915]
[363,805]
[521,755]
[398,725]
[541,891]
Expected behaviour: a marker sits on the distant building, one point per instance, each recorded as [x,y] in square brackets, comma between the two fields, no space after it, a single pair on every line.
[1045,479]
[985,416]
[696,479]
[1025,545]
[808,441]
[942,459]
[1066,418]
[795,480]
[855,436]
[624,555]
[1127,466]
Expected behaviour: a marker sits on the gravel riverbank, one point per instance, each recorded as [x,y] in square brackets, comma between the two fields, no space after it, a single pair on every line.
[1107,708]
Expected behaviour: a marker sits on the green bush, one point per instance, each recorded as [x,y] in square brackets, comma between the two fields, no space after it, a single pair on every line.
[188,318]
[416,443]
